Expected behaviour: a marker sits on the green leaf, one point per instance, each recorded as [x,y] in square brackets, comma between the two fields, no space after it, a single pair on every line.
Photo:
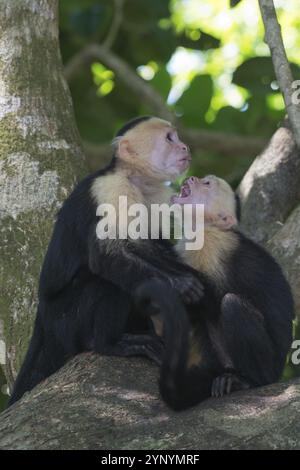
[195,101]
[257,119]
[257,74]
[197,40]
[162,82]
[140,47]
[233,3]
[230,119]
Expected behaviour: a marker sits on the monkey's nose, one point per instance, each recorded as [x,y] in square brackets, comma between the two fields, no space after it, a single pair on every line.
[185,148]
[191,179]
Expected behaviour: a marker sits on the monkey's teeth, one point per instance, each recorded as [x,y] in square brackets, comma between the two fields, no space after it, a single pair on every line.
[185,191]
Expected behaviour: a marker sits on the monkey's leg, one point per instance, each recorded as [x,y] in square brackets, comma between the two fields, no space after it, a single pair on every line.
[247,348]
[114,322]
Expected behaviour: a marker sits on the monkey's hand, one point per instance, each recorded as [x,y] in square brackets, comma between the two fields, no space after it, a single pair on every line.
[189,287]
[227,383]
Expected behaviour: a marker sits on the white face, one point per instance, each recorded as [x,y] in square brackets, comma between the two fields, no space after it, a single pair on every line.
[215,194]
[154,147]
[169,154]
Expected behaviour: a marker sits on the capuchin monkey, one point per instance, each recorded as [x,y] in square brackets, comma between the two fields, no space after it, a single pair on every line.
[86,284]
[238,334]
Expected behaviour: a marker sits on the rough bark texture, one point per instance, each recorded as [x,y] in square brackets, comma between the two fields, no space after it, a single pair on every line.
[40,159]
[271,187]
[281,64]
[111,403]
[270,196]
[285,246]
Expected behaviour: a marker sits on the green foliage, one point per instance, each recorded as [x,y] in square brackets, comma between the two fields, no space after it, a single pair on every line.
[146,34]
[144,13]
[152,32]
[198,40]
[195,101]
[235,93]
[162,82]
[233,3]
[257,75]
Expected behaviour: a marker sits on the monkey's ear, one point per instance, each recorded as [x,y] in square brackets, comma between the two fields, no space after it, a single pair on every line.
[225,221]
[124,150]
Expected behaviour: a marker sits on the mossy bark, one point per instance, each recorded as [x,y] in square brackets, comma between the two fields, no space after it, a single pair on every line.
[40,160]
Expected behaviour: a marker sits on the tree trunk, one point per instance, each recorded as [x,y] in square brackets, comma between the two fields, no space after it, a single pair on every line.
[113,403]
[270,196]
[40,160]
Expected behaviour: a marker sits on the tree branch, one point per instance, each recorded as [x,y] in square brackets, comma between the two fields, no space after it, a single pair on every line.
[271,187]
[270,196]
[199,140]
[223,143]
[116,23]
[282,68]
[111,403]
[124,72]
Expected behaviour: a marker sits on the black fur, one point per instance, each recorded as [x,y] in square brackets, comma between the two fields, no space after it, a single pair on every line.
[238,207]
[243,329]
[131,124]
[85,291]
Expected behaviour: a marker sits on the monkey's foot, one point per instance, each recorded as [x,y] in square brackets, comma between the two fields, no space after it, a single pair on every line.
[140,345]
[227,383]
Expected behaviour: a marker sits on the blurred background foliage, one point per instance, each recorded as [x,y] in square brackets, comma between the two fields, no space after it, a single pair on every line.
[206,58]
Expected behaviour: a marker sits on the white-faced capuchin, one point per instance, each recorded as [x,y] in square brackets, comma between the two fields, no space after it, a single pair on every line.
[238,335]
[86,284]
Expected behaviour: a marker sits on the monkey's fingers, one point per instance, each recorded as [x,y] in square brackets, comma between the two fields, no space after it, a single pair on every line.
[227,383]
[190,289]
[218,387]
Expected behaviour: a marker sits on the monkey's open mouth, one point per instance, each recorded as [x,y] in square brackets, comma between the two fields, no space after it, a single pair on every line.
[185,190]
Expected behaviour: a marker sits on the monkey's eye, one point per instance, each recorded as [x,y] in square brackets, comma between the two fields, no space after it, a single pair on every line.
[169,137]
[206,182]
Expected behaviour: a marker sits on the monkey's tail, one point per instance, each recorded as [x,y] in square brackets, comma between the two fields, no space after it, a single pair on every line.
[180,387]
[31,373]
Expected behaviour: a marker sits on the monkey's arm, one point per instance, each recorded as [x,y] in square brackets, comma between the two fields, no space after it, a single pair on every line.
[127,264]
